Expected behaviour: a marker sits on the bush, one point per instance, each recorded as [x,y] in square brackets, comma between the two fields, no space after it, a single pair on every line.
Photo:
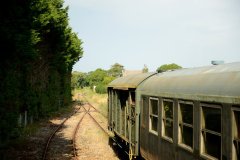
[101,88]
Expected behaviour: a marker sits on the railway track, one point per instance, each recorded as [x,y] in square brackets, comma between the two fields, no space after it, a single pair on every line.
[96,109]
[98,124]
[120,154]
[44,156]
[89,110]
[86,111]
[75,133]
[85,99]
[124,154]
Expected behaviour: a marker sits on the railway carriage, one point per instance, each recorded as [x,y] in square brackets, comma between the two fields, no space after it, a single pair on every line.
[123,114]
[182,114]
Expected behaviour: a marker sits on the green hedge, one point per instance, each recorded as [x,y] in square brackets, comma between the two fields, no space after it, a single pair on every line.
[38,51]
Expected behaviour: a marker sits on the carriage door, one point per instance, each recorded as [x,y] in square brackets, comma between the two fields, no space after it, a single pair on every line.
[122,112]
[131,117]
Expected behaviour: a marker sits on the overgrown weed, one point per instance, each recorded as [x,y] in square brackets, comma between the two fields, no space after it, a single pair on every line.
[97,100]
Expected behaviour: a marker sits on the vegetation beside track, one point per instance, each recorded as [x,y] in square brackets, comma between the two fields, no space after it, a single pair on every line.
[98,79]
[31,129]
[38,51]
[97,100]
[34,135]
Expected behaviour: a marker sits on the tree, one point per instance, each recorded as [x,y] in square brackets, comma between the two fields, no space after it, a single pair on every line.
[78,80]
[145,69]
[108,79]
[96,77]
[102,87]
[167,67]
[38,50]
[116,70]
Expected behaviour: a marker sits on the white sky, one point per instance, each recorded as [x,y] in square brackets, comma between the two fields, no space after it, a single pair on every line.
[189,33]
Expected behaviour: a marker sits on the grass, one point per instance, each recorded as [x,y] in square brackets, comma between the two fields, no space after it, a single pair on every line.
[97,100]
[31,129]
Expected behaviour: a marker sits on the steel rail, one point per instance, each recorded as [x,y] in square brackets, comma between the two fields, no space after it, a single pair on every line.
[110,136]
[97,110]
[75,133]
[93,106]
[98,124]
[54,132]
[107,133]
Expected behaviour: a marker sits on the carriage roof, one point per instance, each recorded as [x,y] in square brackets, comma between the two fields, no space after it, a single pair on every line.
[216,83]
[130,81]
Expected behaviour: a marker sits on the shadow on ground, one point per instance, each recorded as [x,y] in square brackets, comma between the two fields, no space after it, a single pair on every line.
[120,151]
[32,147]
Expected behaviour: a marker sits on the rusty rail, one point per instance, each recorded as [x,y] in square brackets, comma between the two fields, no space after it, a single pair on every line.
[98,124]
[53,134]
[75,133]
[76,128]
[93,106]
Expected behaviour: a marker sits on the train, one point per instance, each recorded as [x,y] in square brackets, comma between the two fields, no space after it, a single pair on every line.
[184,114]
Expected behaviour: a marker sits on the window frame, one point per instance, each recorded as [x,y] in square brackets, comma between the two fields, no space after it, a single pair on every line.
[153,115]
[235,108]
[202,122]
[164,119]
[181,144]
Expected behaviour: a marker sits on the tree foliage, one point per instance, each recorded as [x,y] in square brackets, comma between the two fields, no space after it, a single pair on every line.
[79,80]
[99,78]
[167,67]
[116,70]
[96,77]
[38,49]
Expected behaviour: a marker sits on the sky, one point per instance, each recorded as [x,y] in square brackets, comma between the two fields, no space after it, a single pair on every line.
[134,33]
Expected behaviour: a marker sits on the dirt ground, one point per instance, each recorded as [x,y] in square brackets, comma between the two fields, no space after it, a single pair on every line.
[91,142]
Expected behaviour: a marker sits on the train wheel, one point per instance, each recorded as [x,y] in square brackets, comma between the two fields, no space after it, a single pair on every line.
[130,154]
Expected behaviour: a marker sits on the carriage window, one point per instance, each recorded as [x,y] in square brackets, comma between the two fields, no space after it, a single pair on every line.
[236,132]
[211,131]
[186,124]
[153,115]
[167,119]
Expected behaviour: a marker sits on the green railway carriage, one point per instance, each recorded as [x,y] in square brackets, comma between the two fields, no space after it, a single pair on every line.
[183,114]
[123,113]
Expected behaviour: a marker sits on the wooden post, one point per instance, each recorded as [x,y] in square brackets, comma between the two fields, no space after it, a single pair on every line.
[20,120]
[25,120]
[31,120]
